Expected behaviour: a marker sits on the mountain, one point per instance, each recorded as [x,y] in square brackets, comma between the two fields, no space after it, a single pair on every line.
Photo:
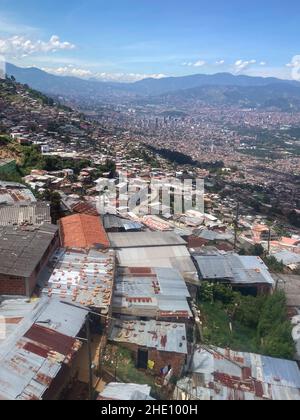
[217,89]
[63,85]
[281,96]
[171,84]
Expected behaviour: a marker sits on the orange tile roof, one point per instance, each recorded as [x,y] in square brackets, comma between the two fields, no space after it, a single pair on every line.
[290,241]
[83,231]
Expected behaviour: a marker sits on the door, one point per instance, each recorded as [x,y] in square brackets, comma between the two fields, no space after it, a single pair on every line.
[142,359]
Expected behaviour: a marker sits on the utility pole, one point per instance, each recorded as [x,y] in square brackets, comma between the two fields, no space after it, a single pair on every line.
[236,225]
[88,336]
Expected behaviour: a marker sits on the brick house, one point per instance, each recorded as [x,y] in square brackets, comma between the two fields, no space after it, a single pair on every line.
[162,343]
[24,252]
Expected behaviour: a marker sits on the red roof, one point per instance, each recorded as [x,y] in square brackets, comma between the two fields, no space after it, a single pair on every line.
[83,231]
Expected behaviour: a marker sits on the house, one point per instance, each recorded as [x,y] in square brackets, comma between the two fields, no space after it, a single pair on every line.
[151,293]
[83,231]
[113,223]
[205,237]
[155,345]
[24,251]
[289,259]
[223,374]
[84,278]
[154,249]
[15,193]
[38,354]
[29,214]
[245,273]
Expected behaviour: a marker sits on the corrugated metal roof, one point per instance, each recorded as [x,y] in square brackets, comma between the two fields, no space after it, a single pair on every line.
[86,278]
[177,257]
[288,258]
[12,313]
[13,193]
[222,374]
[145,239]
[162,336]
[34,354]
[234,268]
[112,221]
[125,392]
[150,292]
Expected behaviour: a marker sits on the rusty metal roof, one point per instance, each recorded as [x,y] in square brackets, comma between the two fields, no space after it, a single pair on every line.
[35,353]
[85,278]
[223,374]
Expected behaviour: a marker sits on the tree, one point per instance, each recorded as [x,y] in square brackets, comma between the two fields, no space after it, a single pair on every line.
[294,218]
[257,250]
[54,199]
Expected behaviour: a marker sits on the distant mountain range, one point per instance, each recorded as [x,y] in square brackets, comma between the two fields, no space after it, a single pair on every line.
[217,89]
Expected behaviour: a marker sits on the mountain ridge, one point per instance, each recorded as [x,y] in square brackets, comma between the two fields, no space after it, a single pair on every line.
[229,89]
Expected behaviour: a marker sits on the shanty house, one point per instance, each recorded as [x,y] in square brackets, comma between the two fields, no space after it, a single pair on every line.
[223,374]
[245,273]
[156,345]
[38,355]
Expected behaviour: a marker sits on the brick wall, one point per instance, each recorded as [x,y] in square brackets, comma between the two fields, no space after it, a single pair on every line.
[12,286]
[161,359]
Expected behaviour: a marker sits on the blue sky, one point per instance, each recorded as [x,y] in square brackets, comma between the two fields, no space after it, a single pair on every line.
[129,39]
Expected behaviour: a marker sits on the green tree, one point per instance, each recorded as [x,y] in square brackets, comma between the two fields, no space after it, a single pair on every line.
[257,250]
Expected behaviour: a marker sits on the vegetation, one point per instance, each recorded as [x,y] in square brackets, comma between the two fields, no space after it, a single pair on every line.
[54,199]
[246,323]
[120,363]
[274,265]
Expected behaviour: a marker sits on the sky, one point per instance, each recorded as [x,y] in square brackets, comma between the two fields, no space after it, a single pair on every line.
[127,40]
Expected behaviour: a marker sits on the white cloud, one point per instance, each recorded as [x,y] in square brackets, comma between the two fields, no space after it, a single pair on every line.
[70,70]
[220,62]
[262,63]
[21,46]
[198,63]
[241,65]
[294,65]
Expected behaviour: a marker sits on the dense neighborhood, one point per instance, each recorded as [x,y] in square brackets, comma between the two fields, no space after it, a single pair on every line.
[196,305]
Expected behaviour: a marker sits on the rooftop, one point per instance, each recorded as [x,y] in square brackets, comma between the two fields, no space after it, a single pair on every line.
[31,214]
[114,222]
[83,231]
[13,193]
[151,292]
[22,248]
[85,278]
[145,239]
[162,336]
[125,392]
[288,258]
[234,268]
[219,374]
[33,356]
